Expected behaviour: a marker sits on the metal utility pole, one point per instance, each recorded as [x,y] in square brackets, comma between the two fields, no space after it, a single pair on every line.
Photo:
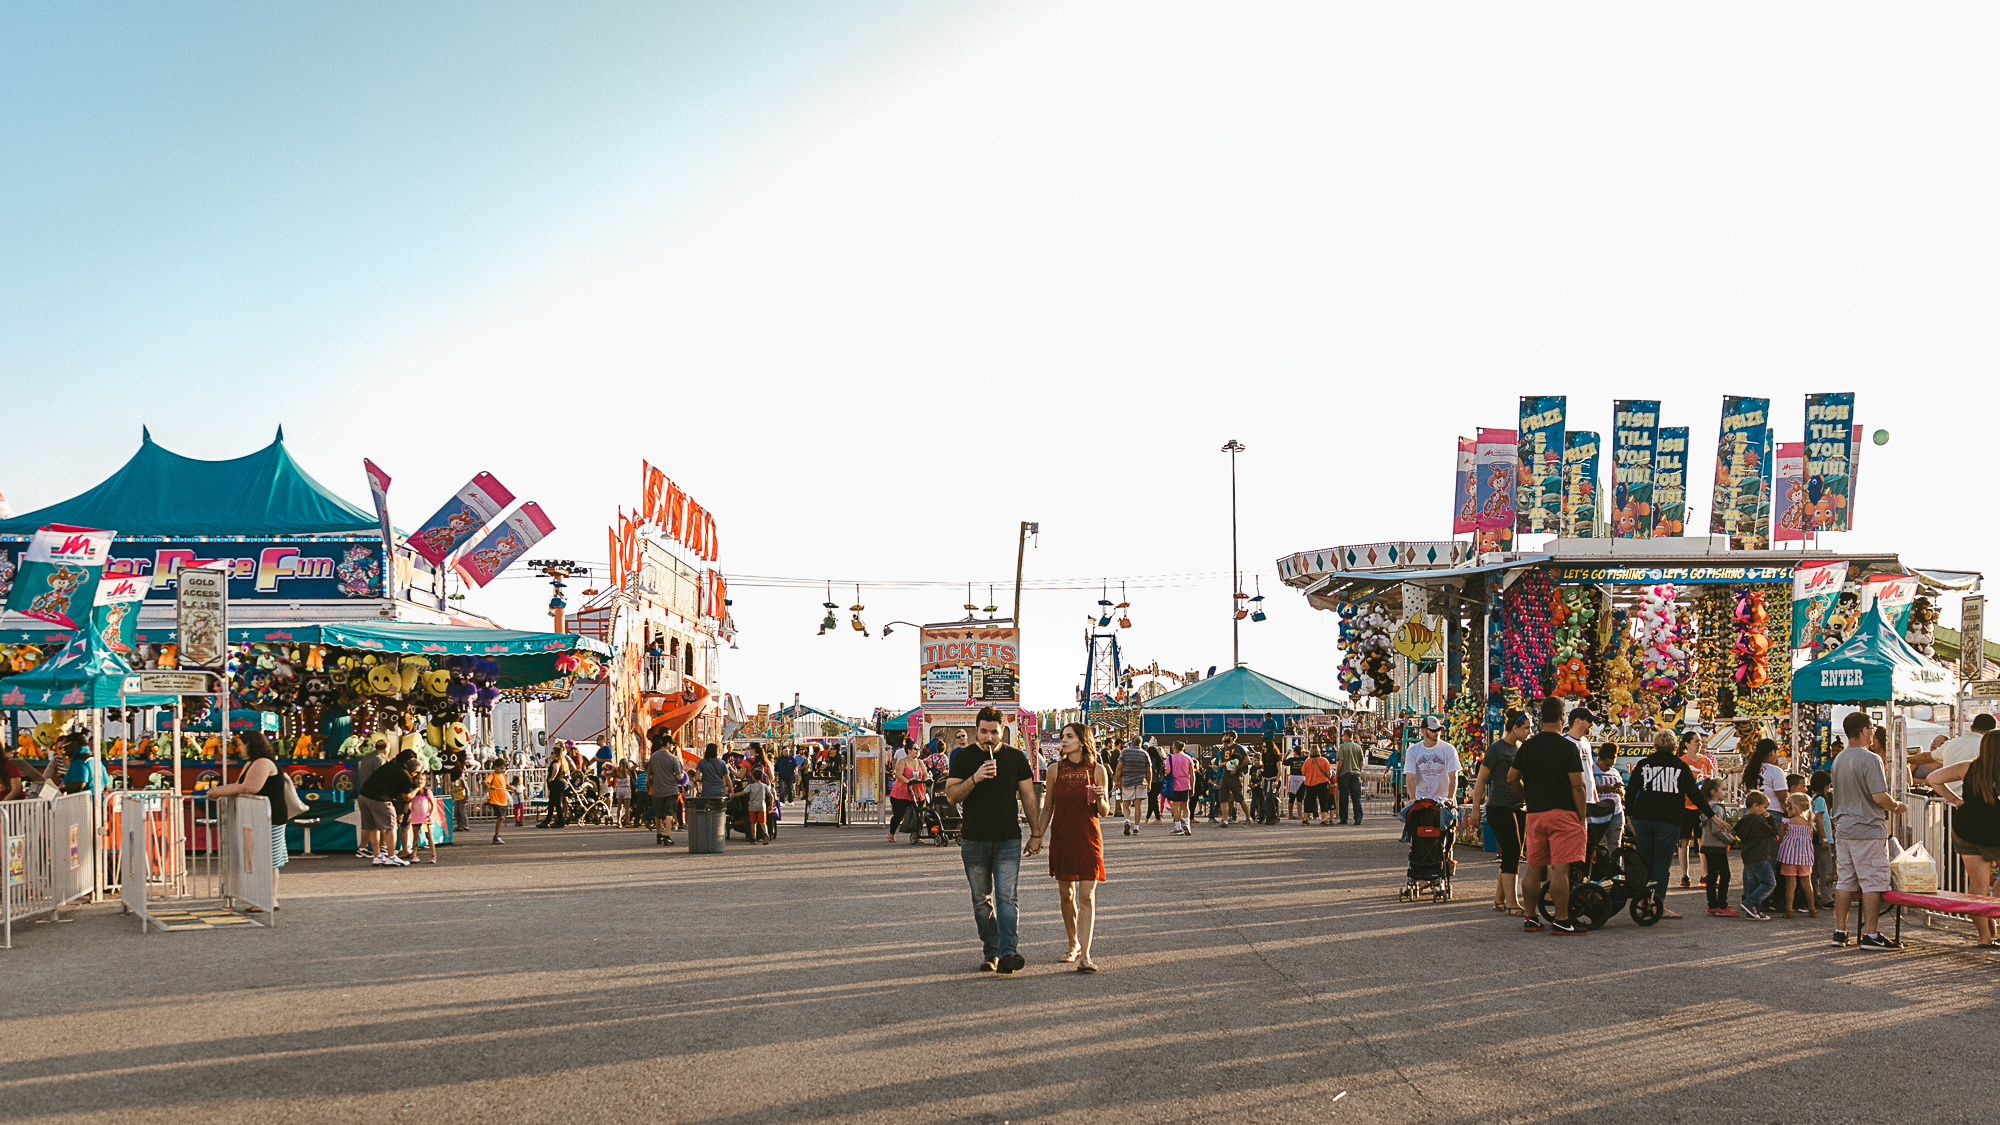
[1020,559]
[1235,576]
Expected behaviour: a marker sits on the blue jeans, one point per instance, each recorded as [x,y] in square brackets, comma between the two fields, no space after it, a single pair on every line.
[1656,842]
[1350,791]
[1759,880]
[993,868]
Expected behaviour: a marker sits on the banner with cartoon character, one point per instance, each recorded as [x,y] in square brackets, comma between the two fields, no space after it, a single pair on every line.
[1670,463]
[509,541]
[1815,586]
[482,498]
[1634,435]
[1830,440]
[1580,484]
[1894,595]
[114,613]
[1464,494]
[1538,489]
[1791,516]
[56,580]
[1495,460]
[1739,469]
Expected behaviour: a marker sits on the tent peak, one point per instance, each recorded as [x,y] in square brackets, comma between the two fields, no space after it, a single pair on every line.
[281,432]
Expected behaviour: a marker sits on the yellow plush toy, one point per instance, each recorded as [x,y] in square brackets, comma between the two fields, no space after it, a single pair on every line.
[1618,681]
[409,671]
[383,680]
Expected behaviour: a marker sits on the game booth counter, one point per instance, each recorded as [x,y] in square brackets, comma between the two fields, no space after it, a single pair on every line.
[1658,634]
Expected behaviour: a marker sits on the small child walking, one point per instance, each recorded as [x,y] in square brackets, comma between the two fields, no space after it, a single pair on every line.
[498,799]
[1758,830]
[756,802]
[1795,853]
[1716,839]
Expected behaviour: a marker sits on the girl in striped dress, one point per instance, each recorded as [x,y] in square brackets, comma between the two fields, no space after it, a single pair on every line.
[1795,852]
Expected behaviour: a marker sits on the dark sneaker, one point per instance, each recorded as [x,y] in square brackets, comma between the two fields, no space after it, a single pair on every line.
[1568,929]
[1875,941]
[986,966]
[1840,938]
[1012,962]
[1531,925]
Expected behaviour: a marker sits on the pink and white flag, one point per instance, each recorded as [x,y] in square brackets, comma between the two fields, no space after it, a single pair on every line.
[482,498]
[518,532]
[378,487]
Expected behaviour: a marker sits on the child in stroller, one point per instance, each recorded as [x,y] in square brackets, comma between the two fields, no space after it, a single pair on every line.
[1427,826]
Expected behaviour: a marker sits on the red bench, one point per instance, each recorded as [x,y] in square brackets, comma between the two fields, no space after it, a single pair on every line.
[1942,902]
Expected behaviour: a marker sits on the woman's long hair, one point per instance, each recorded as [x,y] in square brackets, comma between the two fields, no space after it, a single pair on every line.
[255,745]
[1982,777]
[1753,766]
[1083,739]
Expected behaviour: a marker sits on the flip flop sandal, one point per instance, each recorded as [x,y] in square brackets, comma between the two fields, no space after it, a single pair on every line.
[1086,968]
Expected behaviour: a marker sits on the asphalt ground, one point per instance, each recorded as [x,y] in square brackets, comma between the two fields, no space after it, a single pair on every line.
[1249,974]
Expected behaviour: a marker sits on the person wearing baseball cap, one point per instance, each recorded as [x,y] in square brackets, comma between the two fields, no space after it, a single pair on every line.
[1430,768]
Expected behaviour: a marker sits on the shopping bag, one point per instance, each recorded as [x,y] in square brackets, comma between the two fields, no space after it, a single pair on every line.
[1914,871]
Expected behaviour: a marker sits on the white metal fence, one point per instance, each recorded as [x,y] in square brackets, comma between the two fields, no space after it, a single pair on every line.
[535,782]
[179,853]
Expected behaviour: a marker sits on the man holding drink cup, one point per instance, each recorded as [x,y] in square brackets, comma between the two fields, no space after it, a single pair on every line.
[987,781]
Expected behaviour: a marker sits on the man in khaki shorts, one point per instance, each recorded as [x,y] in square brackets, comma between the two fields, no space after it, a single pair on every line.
[1135,779]
[1860,817]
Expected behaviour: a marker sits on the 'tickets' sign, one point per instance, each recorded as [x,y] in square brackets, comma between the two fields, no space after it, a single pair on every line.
[971,664]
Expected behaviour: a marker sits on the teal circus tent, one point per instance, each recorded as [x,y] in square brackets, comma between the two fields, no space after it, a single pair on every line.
[160,493]
[1873,666]
[900,722]
[84,675]
[1240,689]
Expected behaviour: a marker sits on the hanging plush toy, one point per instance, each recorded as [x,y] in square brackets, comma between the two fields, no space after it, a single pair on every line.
[1753,643]
[1573,679]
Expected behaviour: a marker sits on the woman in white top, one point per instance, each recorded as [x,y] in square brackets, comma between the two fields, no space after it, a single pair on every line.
[1761,772]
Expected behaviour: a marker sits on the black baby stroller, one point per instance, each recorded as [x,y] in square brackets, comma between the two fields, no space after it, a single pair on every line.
[1431,862]
[933,820]
[1608,882]
[736,814]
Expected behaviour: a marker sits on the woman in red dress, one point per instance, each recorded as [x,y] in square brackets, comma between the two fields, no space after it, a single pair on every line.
[1076,795]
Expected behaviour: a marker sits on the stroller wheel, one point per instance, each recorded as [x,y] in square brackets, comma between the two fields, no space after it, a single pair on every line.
[1645,909]
[1592,905]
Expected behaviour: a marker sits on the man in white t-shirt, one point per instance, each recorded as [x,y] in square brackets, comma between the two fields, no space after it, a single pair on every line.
[1580,722]
[1430,768]
[1964,748]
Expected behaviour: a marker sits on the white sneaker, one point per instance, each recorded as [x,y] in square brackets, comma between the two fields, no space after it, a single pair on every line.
[395,861]
[378,861]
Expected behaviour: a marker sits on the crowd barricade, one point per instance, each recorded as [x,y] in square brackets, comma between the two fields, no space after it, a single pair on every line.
[1929,822]
[182,857]
[27,875]
[534,780]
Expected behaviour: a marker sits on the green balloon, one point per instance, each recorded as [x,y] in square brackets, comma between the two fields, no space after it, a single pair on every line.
[1881,437]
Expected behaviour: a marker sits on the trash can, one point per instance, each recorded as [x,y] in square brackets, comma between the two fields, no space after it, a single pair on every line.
[707,826]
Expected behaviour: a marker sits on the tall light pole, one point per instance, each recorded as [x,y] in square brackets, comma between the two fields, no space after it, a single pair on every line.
[1020,559]
[1233,447]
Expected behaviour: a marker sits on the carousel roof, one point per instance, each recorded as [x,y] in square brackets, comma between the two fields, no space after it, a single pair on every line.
[159,492]
[1241,689]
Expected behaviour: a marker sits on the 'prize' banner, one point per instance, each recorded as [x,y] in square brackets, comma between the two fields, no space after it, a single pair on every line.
[509,541]
[1830,442]
[482,498]
[1815,585]
[1579,484]
[114,613]
[1739,468]
[1670,461]
[1464,497]
[1635,431]
[57,578]
[1538,490]
[1495,463]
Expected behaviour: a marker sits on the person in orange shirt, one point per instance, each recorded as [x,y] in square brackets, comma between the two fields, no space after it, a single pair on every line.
[1318,789]
[497,799]
[1697,757]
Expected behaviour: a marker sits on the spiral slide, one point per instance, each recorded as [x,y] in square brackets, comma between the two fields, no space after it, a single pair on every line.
[671,712]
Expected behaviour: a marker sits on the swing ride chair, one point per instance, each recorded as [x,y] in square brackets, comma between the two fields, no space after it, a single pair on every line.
[1431,861]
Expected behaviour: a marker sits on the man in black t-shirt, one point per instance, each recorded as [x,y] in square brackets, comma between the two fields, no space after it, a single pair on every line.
[1548,774]
[986,782]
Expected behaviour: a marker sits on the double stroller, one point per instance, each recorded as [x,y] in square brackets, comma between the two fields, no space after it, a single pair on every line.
[933,820]
[1427,827]
[1605,883]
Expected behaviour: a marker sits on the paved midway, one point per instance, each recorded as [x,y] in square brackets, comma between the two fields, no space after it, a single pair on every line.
[1251,974]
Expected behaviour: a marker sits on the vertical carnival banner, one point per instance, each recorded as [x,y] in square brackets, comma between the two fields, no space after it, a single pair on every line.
[1853,479]
[1739,470]
[1894,595]
[1830,441]
[1815,585]
[1760,533]
[57,578]
[1670,482]
[1790,514]
[1635,431]
[1495,464]
[1538,487]
[114,612]
[518,532]
[1464,496]
[378,487]
[1972,637]
[482,498]
[1579,484]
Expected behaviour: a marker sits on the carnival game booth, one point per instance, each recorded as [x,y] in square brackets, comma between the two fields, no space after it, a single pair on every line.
[1653,634]
[1877,668]
[1234,702]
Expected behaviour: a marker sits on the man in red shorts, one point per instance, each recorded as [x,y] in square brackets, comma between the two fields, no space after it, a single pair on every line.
[1548,773]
